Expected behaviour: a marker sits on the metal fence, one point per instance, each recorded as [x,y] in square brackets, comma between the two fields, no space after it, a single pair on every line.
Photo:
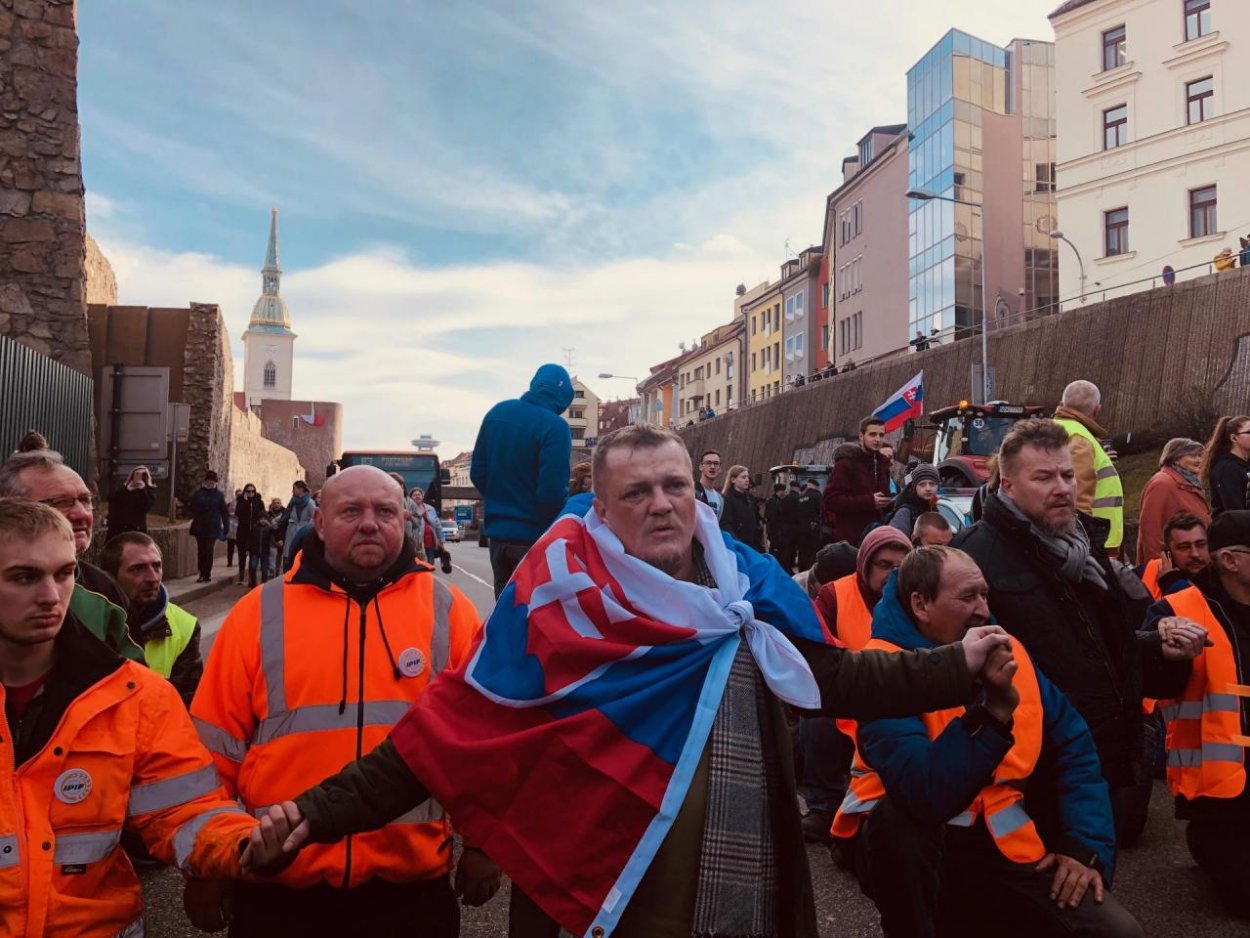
[37,393]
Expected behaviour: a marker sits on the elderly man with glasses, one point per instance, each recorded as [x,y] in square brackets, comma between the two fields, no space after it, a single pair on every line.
[98,602]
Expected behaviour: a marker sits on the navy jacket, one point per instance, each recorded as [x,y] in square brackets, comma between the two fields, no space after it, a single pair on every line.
[521,459]
[209,515]
[934,780]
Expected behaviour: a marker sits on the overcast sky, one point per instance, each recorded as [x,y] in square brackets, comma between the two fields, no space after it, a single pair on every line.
[467,190]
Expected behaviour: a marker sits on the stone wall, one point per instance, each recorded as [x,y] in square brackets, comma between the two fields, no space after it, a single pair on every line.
[42,222]
[208,387]
[256,460]
[315,446]
[101,281]
[1168,361]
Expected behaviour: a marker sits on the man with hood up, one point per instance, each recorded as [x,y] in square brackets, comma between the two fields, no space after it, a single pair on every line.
[521,467]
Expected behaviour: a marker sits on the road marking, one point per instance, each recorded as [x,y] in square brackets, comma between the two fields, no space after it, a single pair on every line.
[475,577]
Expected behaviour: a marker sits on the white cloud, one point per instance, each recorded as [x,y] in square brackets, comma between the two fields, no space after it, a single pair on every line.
[410,349]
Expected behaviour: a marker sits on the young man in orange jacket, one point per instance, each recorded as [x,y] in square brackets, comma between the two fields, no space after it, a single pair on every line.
[92,744]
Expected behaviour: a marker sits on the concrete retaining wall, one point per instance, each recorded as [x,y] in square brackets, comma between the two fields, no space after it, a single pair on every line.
[1168,362]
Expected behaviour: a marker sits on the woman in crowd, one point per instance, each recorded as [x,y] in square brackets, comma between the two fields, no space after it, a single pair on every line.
[130,503]
[918,496]
[1176,487]
[740,517]
[431,543]
[1226,464]
[249,508]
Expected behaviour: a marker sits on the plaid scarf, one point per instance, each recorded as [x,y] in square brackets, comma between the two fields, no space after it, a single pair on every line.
[737,892]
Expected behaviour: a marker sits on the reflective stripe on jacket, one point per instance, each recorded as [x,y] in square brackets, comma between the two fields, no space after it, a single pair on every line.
[1108,491]
[161,653]
[1206,758]
[1002,801]
[123,755]
[281,704]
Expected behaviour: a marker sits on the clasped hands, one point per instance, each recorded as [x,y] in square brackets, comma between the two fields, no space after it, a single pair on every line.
[283,831]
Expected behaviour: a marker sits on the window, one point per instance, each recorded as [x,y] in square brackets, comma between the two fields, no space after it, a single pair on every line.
[1202,212]
[865,152]
[718,397]
[1201,97]
[790,349]
[753,325]
[798,345]
[1114,48]
[794,306]
[857,330]
[1197,18]
[857,218]
[824,295]
[857,275]
[753,368]
[844,226]
[824,336]
[729,364]
[577,413]
[578,433]
[777,318]
[1115,127]
[579,393]
[718,366]
[1115,225]
[1044,174]
[844,336]
[271,375]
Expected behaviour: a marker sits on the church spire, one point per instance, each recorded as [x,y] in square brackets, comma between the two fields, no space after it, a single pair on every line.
[271,273]
[270,312]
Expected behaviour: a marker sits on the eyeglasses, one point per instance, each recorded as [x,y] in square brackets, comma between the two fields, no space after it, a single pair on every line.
[65,502]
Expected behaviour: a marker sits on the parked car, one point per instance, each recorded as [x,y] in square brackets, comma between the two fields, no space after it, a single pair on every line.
[452,531]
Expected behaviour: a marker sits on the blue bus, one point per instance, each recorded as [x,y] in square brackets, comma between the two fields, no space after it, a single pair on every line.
[418,469]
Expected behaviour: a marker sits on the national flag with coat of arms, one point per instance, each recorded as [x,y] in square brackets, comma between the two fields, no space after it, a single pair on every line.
[566,745]
[904,404]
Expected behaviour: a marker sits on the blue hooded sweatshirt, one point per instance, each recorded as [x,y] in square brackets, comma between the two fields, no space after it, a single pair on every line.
[521,459]
[934,780]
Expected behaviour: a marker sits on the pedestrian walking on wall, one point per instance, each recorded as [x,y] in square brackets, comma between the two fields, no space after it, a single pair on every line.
[210,520]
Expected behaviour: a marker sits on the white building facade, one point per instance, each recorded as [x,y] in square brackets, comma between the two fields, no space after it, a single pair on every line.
[1154,139]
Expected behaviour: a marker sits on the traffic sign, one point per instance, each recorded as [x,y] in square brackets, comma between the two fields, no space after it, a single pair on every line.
[1169,274]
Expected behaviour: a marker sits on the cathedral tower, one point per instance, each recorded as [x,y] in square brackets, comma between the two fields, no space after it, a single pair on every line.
[269,343]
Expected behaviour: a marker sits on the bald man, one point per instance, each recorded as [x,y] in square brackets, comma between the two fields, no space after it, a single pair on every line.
[309,671]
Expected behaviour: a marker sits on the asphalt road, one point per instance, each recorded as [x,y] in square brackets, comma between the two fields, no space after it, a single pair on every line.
[1156,881]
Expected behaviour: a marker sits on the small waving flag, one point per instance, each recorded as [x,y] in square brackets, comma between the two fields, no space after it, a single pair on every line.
[903,404]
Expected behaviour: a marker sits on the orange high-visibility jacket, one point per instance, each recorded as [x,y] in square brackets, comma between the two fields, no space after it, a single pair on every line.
[1002,801]
[854,616]
[286,700]
[123,755]
[1204,760]
[1150,577]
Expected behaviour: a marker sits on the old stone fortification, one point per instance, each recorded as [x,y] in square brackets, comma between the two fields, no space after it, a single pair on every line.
[316,445]
[101,281]
[42,223]
[1168,362]
[194,345]
[253,458]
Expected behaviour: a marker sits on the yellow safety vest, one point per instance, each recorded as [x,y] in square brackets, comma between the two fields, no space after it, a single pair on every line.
[161,653]
[1108,492]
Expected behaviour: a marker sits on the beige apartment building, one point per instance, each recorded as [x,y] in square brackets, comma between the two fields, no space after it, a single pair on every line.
[761,320]
[583,420]
[1154,141]
[865,237]
[708,373]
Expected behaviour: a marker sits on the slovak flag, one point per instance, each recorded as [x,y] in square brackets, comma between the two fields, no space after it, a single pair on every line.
[903,404]
[312,418]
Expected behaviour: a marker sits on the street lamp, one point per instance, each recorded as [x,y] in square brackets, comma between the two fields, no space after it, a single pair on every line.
[924,195]
[1058,236]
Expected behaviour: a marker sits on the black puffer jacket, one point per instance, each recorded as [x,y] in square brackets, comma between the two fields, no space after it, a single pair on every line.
[1084,639]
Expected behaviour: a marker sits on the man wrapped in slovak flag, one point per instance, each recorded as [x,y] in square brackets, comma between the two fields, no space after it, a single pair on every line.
[617,742]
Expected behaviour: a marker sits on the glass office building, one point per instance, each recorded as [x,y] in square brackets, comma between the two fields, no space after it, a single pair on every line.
[982,120]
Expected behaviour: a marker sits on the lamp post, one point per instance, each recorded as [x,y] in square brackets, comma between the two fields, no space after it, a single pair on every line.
[1059,236]
[604,374]
[924,195]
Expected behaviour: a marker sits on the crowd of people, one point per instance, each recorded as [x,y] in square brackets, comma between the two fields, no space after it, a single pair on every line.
[976,709]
